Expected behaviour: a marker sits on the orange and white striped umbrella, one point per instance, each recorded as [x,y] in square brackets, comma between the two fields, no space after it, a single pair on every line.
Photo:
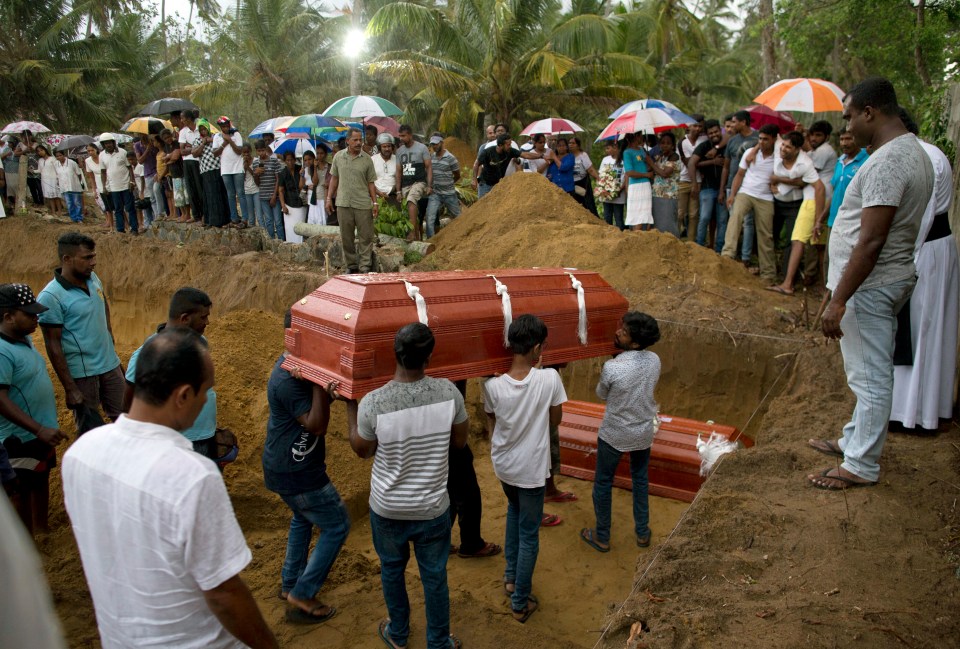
[803,95]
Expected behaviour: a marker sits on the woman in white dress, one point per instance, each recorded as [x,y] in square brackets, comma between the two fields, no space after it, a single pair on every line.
[48,179]
[314,182]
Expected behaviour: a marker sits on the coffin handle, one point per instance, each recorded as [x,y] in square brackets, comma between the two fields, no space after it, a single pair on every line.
[414,293]
[582,306]
[507,309]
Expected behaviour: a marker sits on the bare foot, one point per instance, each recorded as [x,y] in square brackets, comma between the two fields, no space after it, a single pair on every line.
[837,480]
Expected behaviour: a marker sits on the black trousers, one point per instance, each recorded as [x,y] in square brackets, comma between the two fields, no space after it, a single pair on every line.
[36,190]
[465,501]
[191,178]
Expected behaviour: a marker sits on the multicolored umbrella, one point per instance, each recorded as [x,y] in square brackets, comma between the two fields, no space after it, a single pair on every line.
[312,123]
[552,126]
[762,115]
[167,105]
[146,125]
[803,95]
[20,127]
[298,143]
[648,120]
[272,125]
[362,106]
[641,104]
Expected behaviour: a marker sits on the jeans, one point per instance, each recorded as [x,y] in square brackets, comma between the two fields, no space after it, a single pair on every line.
[324,509]
[749,234]
[613,214]
[465,502]
[431,544]
[483,189]
[434,200]
[251,209]
[708,207]
[522,543]
[869,327]
[124,201]
[234,186]
[74,201]
[607,460]
[272,219]
[160,199]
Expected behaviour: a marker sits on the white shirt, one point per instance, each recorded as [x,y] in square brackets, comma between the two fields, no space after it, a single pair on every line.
[802,168]
[118,171]
[825,160]
[189,136]
[688,149]
[94,168]
[155,529]
[68,175]
[230,161]
[520,446]
[386,173]
[756,181]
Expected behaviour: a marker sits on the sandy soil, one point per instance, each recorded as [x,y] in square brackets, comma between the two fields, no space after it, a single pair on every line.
[760,559]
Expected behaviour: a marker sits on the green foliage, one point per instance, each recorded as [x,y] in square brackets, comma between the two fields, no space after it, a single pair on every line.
[392,220]
[411,257]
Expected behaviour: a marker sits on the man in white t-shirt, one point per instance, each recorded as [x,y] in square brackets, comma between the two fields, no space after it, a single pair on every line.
[117,178]
[751,193]
[228,144]
[408,426]
[688,206]
[522,405]
[385,164]
[794,176]
[821,152]
[160,545]
[188,138]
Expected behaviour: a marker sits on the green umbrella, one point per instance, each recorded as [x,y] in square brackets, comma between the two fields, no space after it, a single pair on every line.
[362,106]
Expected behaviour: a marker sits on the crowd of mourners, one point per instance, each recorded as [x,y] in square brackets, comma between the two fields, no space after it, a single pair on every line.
[161,547]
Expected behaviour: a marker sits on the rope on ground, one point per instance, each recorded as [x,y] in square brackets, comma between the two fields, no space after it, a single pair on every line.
[683,516]
[735,333]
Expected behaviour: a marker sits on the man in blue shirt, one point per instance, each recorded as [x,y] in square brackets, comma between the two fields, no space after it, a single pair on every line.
[28,409]
[76,331]
[843,172]
[294,467]
[189,309]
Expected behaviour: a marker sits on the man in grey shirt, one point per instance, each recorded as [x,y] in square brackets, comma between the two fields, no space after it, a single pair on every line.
[446,174]
[414,177]
[627,383]
[872,274]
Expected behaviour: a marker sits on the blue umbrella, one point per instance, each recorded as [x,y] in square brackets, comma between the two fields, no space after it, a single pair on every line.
[271,125]
[642,104]
[298,145]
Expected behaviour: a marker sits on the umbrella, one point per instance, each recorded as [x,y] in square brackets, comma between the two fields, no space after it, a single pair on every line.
[297,145]
[312,122]
[551,126]
[384,125]
[648,120]
[146,125]
[641,104]
[20,127]
[271,125]
[803,95]
[761,115]
[166,105]
[73,141]
[362,106]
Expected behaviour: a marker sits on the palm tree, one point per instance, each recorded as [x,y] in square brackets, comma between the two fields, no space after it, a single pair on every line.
[512,60]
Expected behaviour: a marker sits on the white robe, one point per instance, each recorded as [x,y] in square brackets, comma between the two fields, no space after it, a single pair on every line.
[923,392]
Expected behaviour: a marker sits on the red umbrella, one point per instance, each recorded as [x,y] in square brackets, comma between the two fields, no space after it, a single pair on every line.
[762,115]
[384,125]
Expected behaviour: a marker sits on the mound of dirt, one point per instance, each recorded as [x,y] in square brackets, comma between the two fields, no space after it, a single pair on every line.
[463,152]
[528,221]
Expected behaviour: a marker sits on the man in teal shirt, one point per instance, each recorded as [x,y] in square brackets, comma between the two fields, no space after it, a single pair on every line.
[28,409]
[189,309]
[843,172]
[76,331]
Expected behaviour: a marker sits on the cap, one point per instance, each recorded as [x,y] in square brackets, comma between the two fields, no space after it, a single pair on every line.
[223,119]
[436,139]
[385,138]
[19,296]
[107,137]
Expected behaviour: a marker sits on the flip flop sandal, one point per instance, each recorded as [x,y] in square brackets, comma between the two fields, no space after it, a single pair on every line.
[550,520]
[297,615]
[826,446]
[532,606]
[384,635]
[507,586]
[777,289]
[846,482]
[489,550]
[587,535]
[280,594]
[562,497]
[455,642]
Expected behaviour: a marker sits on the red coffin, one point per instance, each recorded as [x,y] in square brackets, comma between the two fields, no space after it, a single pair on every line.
[674,470]
[344,330]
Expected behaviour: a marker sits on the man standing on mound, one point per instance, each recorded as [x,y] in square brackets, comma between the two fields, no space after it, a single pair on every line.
[872,274]
[408,426]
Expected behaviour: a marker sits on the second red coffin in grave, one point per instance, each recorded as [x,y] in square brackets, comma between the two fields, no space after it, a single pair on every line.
[344,330]
[674,469]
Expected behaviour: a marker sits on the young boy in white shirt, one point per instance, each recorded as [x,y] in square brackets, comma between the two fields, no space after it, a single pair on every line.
[522,405]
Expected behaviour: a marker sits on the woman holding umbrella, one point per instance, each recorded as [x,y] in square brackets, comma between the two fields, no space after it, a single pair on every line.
[214,196]
[636,182]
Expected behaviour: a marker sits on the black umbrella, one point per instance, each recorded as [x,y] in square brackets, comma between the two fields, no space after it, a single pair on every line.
[74,141]
[167,105]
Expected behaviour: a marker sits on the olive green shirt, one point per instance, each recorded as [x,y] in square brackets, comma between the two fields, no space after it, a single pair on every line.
[354,176]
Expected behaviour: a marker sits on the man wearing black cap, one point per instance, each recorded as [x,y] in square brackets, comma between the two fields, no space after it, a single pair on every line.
[28,410]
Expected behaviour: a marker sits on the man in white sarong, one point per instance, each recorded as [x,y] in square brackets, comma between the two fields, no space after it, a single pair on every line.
[923,380]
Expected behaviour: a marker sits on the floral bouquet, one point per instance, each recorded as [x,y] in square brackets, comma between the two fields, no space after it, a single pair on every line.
[608,185]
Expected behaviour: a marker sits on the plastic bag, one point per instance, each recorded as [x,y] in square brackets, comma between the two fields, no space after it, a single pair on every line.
[711,450]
